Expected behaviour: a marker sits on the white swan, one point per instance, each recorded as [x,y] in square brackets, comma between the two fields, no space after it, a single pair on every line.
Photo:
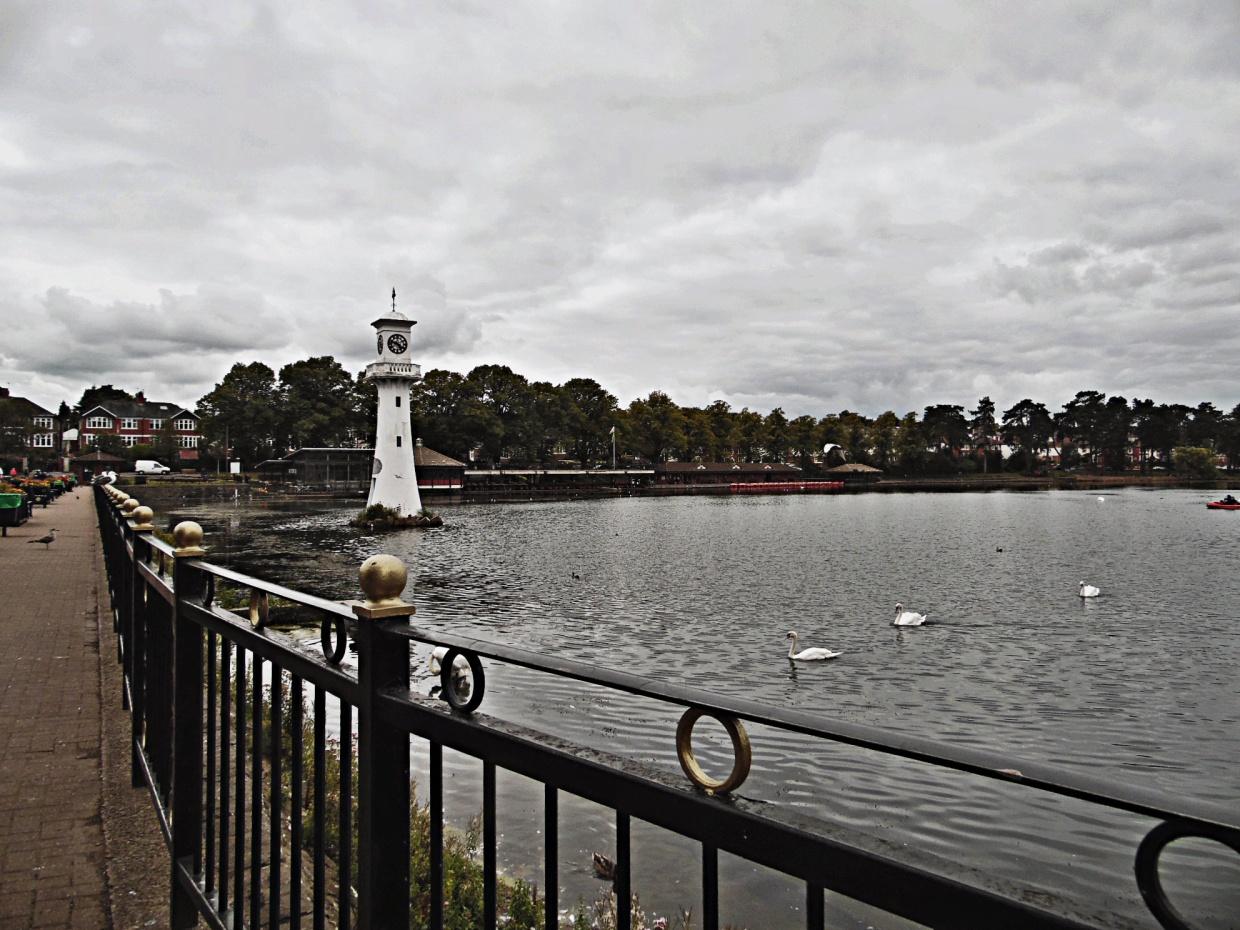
[1088,590]
[460,668]
[908,617]
[812,654]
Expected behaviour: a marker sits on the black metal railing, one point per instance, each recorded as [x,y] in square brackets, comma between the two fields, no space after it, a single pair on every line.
[218,704]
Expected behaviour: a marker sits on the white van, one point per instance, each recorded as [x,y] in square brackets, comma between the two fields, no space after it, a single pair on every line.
[150,467]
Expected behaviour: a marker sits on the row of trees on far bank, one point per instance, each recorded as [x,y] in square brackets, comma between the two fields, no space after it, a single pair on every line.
[493,414]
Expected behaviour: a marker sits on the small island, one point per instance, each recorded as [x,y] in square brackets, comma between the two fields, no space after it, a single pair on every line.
[381,517]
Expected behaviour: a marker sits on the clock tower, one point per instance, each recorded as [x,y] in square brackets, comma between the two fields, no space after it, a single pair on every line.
[393,482]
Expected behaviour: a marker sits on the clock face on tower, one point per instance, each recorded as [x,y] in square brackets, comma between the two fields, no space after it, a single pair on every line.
[397,344]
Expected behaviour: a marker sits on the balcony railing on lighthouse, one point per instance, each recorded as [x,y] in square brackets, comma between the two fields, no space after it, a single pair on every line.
[401,369]
[230,733]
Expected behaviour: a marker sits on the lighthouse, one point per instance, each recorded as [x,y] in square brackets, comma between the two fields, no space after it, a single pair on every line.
[393,481]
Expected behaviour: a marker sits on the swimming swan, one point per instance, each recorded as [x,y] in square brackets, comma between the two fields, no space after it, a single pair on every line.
[807,655]
[1088,590]
[460,667]
[908,617]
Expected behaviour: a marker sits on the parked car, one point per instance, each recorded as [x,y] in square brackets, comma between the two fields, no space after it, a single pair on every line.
[150,467]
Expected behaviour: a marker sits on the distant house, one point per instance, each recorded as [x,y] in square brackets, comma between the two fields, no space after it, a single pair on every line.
[31,432]
[140,422]
[724,472]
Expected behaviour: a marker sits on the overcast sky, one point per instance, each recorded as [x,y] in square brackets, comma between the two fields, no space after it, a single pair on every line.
[817,206]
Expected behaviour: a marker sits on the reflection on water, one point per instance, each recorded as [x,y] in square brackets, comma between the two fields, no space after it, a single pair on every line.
[1139,685]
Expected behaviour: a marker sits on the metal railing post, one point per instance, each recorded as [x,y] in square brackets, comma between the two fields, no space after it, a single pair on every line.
[383,750]
[187,727]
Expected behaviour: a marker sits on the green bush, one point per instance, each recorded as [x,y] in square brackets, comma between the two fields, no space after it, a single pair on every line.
[1193,461]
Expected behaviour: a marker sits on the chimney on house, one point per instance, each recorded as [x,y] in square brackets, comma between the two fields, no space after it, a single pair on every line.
[140,397]
[4,392]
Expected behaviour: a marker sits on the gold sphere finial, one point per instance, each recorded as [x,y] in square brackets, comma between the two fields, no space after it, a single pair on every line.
[383,578]
[143,516]
[187,534]
[129,506]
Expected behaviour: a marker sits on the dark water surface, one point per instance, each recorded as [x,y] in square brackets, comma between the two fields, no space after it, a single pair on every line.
[1139,686]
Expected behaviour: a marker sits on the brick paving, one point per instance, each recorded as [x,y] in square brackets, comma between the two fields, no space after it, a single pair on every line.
[54,848]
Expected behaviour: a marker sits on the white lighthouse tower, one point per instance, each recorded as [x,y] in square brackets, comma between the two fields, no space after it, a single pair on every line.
[393,482]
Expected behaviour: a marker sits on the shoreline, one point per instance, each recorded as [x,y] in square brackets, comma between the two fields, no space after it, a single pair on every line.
[895,485]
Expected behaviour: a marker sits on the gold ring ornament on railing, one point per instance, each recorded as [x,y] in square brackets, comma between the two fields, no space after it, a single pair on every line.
[333,638]
[260,608]
[742,756]
[1149,882]
[452,680]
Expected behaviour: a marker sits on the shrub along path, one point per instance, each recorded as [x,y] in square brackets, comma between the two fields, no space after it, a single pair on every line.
[79,847]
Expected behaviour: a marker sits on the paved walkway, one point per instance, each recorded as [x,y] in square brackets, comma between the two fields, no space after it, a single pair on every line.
[79,848]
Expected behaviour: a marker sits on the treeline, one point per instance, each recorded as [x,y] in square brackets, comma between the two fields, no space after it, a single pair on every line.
[501,416]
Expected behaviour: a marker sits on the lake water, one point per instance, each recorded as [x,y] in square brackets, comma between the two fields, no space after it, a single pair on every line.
[1139,686]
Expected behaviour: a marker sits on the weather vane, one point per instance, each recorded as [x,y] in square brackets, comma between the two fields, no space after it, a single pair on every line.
[393,300]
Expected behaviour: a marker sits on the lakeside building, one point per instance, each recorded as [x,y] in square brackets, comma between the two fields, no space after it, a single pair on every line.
[724,472]
[31,433]
[345,469]
[141,422]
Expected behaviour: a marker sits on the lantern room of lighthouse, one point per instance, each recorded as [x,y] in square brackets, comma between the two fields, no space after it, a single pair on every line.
[393,481]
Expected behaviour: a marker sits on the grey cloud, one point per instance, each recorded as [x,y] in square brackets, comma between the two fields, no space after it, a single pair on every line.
[807,206]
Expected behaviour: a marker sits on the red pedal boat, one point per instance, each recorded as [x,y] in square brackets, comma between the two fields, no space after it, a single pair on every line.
[1223,505]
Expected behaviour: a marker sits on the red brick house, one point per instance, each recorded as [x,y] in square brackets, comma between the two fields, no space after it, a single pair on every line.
[139,422]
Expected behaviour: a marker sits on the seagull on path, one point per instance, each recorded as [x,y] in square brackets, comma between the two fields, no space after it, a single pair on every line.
[46,540]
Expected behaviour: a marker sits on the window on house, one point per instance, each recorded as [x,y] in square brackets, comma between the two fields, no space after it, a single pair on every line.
[187,442]
[43,422]
[41,440]
[99,422]
[157,424]
[183,424]
[129,423]
[129,441]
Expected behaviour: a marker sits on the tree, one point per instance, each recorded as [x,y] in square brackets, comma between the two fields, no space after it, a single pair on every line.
[1202,430]
[654,426]
[984,429]
[699,438]
[446,413]
[803,440]
[1194,461]
[16,428]
[93,396]
[1082,422]
[749,430]
[1114,428]
[882,438]
[1229,437]
[545,425]
[854,433]
[591,416]
[910,444]
[945,427]
[505,399]
[723,431]
[775,438]
[1028,426]
[317,404]
[241,411]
